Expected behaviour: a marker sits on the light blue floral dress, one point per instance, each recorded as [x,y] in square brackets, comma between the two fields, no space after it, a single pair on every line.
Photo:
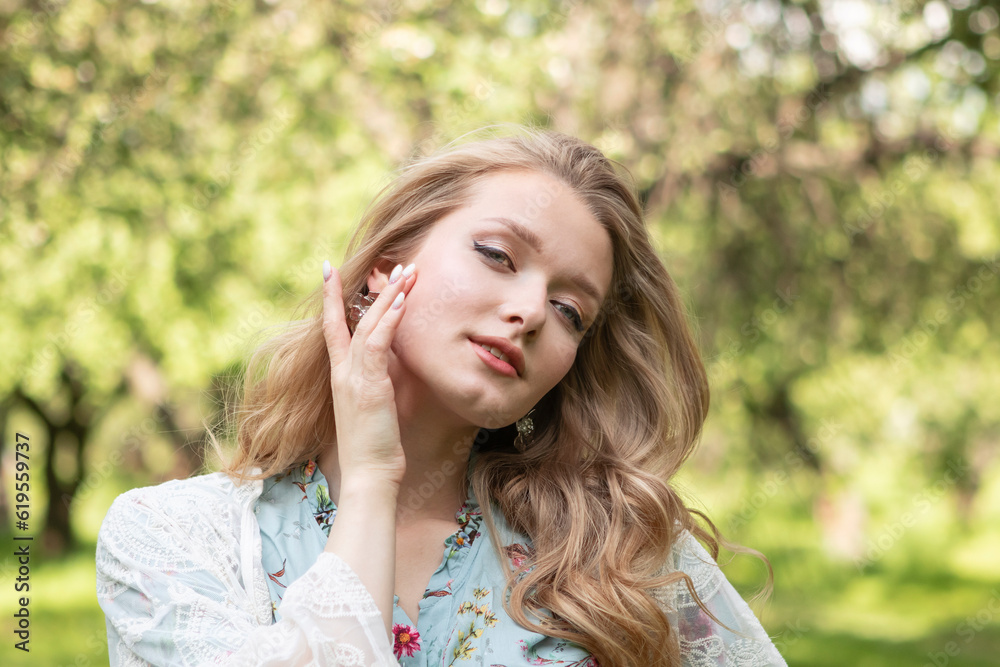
[461,619]
[198,571]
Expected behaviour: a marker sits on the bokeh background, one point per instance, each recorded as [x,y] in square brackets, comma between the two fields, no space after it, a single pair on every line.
[821,179]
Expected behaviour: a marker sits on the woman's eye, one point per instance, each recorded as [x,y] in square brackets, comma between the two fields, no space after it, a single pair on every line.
[489,251]
[574,316]
[492,253]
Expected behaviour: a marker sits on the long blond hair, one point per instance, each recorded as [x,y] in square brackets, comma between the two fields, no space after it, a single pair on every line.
[593,490]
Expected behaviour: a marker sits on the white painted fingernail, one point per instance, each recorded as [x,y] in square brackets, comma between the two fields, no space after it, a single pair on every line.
[408,271]
[394,276]
[398,302]
[327,271]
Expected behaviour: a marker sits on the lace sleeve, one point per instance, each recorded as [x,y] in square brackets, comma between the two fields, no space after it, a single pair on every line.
[703,642]
[170,583]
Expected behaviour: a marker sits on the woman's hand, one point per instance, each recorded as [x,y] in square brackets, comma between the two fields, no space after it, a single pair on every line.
[368,442]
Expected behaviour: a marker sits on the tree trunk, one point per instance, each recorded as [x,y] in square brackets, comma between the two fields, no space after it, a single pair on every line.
[57,530]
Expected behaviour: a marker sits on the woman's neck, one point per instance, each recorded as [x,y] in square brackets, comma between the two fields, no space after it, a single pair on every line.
[434,484]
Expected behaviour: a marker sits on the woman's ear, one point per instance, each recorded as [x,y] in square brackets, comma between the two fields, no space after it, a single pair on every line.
[379,276]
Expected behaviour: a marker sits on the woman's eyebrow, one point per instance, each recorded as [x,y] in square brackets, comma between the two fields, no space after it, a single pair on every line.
[528,236]
[532,239]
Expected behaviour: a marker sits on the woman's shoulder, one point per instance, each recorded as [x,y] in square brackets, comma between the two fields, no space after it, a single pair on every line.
[213,499]
[687,555]
[690,557]
[196,493]
[190,534]
[701,638]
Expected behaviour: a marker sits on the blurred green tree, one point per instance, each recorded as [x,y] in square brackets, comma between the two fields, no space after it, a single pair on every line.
[820,176]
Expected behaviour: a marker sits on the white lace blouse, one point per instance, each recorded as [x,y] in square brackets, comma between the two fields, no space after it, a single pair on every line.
[182,580]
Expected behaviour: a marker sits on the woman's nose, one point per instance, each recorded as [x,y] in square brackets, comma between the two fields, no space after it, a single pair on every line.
[526,305]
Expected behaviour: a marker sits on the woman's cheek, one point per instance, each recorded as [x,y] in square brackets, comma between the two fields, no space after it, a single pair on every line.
[564,355]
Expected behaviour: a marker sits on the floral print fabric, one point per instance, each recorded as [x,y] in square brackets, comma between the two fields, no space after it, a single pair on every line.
[461,619]
[181,579]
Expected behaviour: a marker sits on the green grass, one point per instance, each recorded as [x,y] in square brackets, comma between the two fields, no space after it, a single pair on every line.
[829,649]
[67,624]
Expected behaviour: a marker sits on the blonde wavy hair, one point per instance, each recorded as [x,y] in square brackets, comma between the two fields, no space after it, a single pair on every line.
[593,490]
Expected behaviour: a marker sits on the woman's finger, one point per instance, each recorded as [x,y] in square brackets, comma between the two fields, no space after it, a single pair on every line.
[376,359]
[382,304]
[335,331]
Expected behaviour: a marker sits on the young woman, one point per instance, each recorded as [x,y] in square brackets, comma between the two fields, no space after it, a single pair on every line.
[521,393]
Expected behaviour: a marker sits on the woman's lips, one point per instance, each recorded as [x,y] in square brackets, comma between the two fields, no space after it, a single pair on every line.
[493,362]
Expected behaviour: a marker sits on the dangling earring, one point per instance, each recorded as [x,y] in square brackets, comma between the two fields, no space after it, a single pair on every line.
[357,308]
[525,431]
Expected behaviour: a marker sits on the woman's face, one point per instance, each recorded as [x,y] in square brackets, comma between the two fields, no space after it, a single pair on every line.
[477,278]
